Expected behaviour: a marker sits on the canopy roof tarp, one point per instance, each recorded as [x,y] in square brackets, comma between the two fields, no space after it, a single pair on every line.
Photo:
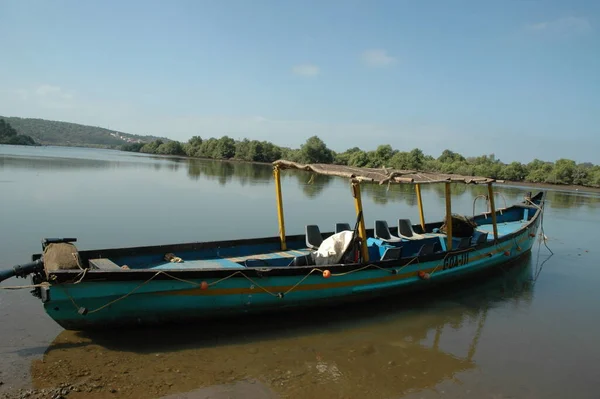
[382,175]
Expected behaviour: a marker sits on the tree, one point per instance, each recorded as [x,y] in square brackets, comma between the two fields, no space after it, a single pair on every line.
[195,141]
[224,148]
[132,147]
[415,159]
[358,159]
[343,158]
[9,135]
[383,154]
[450,156]
[515,172]
[170,148]
[563,171]
[400,160]
[152,147]
[315,151]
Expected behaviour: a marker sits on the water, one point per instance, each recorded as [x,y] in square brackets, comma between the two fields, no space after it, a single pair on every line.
[514,336]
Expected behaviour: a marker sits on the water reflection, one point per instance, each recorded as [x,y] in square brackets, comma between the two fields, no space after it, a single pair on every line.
[384,348]
[312,184]
[259,174]
[225,172]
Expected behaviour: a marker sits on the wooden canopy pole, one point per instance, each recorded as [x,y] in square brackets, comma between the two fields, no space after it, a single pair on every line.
[362,231]
[448,217]
[420,202]
[493,210]
[276,174]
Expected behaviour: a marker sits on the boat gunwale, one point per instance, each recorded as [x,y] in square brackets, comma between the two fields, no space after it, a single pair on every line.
[67,276]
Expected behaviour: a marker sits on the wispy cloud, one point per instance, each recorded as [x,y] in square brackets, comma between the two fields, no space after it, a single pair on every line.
[46,96]
[378,58]
[306,70]
[562,26]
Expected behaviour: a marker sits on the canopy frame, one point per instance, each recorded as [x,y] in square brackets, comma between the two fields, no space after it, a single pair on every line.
[383,176]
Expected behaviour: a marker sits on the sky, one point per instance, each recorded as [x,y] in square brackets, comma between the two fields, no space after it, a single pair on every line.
[519,79]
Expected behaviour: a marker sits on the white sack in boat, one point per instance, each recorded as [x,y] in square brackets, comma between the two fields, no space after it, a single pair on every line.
[332,248]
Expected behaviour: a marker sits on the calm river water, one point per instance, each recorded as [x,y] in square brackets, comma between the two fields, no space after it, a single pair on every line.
[529,332]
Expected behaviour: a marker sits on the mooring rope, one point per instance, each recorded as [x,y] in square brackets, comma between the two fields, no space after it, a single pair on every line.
[279,294]
[543,237]
[21,287]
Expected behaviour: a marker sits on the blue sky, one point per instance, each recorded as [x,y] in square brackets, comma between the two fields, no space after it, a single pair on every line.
[516,78]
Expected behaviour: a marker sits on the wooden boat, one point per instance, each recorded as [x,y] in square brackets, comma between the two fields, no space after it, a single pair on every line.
[183,282]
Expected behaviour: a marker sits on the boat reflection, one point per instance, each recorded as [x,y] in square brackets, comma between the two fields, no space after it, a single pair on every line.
[381,349]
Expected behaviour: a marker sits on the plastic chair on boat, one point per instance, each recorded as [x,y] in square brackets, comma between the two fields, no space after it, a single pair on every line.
[393,253]
[313,236]
[339,227]
[480,239]
[427,249]
[382,232]
[405,230]
[465,242]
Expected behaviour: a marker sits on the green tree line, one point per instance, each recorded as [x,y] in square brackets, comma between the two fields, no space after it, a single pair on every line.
[314,150]
[9,135]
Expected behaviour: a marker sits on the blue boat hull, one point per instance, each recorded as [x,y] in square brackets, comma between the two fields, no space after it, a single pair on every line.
[145,296]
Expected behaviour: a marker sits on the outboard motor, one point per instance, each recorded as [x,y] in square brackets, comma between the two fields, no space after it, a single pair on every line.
[36,266]
[22,270]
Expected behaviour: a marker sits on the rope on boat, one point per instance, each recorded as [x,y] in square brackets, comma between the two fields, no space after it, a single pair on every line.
[21,287]
[543,237]
[83,310]
[79,308]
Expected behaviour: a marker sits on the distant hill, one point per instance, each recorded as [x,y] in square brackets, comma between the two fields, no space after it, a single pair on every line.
[72,134]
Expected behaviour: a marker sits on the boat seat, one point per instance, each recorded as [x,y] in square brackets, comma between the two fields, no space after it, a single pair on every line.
[313,236]
[382,232]
[405,230]
[392,253]
[303,260]
[465,242]
[339,227]
[480,239]
[104,264]
[427,249]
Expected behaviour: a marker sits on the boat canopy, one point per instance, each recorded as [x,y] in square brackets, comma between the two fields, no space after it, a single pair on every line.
[383,175]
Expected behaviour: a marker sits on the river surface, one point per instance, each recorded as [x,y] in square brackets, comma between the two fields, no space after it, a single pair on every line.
[530,331]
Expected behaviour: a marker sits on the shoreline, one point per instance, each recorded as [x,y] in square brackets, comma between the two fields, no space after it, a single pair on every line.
[508,183]
[551,186]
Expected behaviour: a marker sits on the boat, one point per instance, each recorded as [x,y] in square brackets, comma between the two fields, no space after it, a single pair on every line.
[102,288]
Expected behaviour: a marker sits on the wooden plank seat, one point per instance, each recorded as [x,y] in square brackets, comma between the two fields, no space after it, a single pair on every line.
[104,264]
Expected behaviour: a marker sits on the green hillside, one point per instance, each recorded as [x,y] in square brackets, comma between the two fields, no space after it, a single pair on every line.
[72,134]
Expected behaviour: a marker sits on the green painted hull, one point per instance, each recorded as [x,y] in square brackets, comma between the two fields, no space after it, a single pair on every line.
[142,298]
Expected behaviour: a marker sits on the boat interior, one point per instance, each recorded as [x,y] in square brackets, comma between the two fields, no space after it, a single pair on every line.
[402,240]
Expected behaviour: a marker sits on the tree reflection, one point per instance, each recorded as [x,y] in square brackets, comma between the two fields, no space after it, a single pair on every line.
[312,184]
[393,193]
[225,172]
[560,199]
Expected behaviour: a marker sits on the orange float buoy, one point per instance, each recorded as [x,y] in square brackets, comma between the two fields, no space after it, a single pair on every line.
[421,274]
[506,253]
[204,285]
[326,274]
